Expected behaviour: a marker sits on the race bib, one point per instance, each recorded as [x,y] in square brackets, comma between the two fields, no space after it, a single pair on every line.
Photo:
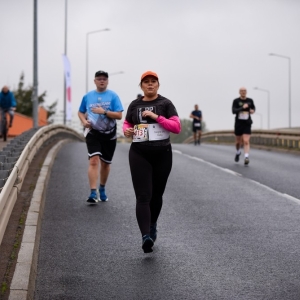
[197,124]
[140,133]
[149,132]
[243,115]
[157,132]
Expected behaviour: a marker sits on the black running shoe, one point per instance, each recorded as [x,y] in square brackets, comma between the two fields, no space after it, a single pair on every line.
[147,244]
[153,232]
[246,162]
[92,200]
[237,157]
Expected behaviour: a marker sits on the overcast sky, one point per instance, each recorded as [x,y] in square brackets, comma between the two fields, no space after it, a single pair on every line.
[202,50]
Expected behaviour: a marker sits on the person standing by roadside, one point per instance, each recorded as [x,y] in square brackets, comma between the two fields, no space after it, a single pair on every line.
[196,115]
[98,112]
[242,107]
[8,103]
[149,121]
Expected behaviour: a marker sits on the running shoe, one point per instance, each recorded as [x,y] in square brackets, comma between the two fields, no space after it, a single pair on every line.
[103,196]
[237,157]
[92,200]
[246,162]
[153,232]
[147,244]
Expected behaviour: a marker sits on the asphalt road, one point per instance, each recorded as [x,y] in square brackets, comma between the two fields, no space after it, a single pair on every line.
[220,235]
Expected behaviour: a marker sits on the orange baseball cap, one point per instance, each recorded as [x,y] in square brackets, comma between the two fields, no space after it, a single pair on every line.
[149,73]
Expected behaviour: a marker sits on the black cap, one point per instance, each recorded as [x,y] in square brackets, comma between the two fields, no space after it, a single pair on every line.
[101,73]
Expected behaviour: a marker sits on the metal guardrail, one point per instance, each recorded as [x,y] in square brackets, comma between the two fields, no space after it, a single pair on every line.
[14,181]
[283,139]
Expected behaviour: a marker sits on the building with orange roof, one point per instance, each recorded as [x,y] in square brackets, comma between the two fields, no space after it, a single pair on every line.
[23,123]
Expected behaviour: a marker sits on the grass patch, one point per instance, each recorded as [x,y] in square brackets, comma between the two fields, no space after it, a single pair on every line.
[13,255]
[3,288]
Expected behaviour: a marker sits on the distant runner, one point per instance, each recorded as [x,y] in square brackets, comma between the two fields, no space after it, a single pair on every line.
[196,115]
[242,107]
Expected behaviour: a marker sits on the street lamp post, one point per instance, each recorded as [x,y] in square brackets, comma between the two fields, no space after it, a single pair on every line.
[65,94]
[268,92]
[35,68]
[87,56]
[289,60]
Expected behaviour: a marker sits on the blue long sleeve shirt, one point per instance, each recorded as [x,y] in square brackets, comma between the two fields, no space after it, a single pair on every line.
[7,100]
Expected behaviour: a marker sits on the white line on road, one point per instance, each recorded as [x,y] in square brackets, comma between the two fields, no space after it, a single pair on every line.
[296,200]
[292,198]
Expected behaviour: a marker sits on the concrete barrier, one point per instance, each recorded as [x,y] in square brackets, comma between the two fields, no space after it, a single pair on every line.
[13,184]
[283,139]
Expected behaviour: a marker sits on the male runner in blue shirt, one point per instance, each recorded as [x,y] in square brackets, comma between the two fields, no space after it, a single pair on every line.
[98,112]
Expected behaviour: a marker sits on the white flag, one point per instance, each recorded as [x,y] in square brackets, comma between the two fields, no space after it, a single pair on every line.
[67,69]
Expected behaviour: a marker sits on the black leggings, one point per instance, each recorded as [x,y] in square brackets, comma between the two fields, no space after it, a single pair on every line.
[150,169]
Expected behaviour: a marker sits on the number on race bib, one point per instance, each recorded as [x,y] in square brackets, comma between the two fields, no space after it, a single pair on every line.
[243,115]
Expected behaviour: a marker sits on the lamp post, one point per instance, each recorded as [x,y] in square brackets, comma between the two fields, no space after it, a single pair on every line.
[289,60]
[87,56]
[268,92]
[65,94]
[35,68]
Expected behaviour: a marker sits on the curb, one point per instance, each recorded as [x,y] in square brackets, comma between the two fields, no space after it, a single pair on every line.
[23,282]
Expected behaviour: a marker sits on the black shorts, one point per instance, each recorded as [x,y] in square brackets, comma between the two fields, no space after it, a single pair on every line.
[96,145]
[196,128]
[242,128]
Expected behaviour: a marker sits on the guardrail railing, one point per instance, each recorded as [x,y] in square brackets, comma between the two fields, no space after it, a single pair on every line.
[15,159]
[283,139]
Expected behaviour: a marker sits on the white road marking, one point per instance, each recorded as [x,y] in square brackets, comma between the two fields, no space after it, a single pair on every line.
[295,200]
[292,198]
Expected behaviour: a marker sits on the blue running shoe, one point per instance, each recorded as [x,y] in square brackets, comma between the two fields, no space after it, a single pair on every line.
[103,196]
[147,244]
[153,232]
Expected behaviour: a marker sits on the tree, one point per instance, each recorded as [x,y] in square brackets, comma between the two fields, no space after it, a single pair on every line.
[186,131]
[23,96]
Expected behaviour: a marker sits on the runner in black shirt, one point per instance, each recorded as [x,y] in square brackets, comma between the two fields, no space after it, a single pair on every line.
[196,115]
[242,107]
[149,121]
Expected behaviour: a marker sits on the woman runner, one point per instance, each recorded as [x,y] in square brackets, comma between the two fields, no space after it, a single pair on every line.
[149,121]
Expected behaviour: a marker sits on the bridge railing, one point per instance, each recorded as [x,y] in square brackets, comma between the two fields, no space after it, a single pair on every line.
[16,163]
[283,139]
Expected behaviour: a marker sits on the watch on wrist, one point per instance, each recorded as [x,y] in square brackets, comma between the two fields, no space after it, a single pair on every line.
[105,113]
